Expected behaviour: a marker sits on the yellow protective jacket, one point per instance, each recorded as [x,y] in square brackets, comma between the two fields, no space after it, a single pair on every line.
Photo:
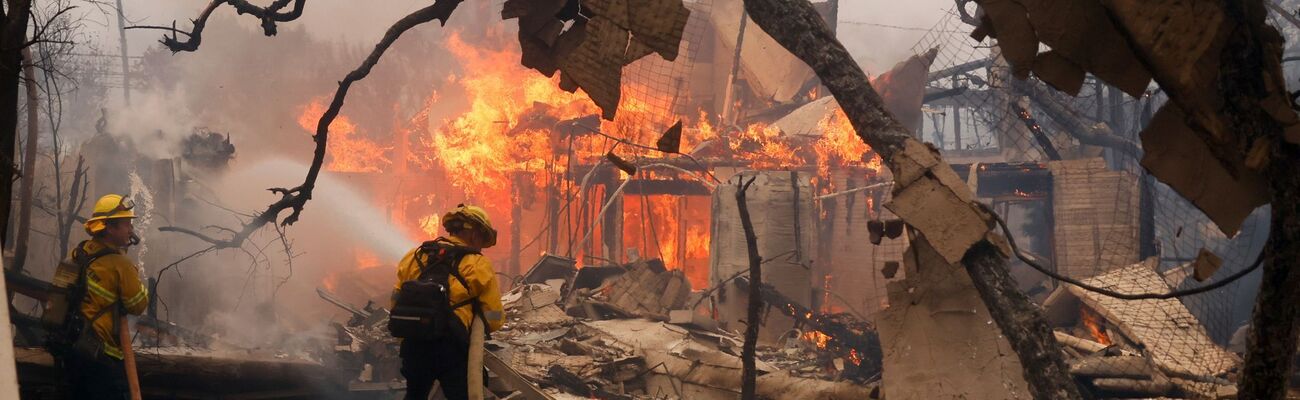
[110,279]
[478,274]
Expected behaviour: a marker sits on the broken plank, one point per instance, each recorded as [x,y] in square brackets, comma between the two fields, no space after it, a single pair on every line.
[512,377]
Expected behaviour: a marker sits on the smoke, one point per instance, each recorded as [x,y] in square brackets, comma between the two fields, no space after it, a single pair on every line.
[338,212]
[154,123]
[254,87]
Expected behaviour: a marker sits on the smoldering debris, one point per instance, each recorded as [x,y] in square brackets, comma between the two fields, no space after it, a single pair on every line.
[630,337]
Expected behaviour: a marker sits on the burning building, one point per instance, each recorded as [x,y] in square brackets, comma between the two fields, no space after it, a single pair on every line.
[621,245]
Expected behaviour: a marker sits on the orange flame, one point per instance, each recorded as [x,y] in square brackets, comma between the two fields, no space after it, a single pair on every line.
[366,259]
[330,281]
[854,357]
[507,143]
[817,338]
[347,152]
[1093,322]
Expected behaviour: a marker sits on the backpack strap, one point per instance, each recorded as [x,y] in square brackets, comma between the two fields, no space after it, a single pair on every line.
[458,253]
[84,260]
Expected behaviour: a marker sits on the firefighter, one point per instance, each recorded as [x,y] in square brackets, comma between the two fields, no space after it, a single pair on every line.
[113,286]
[471,291]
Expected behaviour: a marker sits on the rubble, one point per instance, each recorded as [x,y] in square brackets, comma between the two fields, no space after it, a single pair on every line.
[1144,348]
[631,337]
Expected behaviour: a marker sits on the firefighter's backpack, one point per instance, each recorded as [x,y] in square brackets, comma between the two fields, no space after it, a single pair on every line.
[423,308]
[66,327]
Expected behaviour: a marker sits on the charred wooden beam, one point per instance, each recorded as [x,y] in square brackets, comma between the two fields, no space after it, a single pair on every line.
[653,187]
[27,285]
[844,330]
[936,95]
[1030,179]
[1040,137]
[1068,119]
[959,69]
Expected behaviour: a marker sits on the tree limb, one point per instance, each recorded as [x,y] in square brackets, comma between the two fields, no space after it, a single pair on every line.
[296,198]
[1098,135]
[749,374]
[801,30]
[269,15]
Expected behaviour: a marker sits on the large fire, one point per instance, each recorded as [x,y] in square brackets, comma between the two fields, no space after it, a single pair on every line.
[347,151]
[511,145]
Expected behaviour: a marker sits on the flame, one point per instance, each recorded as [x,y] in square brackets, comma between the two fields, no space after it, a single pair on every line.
[493,139]
[347,152]
[330,281]
[840,145]
[826,294]
[1094,323]
[429,224]
[817,338]
[676,229]
[854,357]
[366,259]
[510,139]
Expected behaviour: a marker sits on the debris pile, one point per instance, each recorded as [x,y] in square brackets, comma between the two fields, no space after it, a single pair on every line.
[1138,348]
[626,332]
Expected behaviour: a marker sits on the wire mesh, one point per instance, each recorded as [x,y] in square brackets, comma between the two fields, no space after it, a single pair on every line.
[1112,224]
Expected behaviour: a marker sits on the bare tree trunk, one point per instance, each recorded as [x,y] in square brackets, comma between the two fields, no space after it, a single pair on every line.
[798,27]
[12,40]
[749,374]
[1272,343]
[76,199]
[29,163]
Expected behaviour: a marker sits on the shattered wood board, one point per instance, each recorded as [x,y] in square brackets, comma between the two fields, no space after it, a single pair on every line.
[930,197]
[806,120]
[939,340]
[644,291]
[1177,157]
[690,367]
[902,88]
[1173,337]
[771,71]
[1096,217]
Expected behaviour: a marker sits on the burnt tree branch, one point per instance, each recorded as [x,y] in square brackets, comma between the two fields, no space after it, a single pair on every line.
[269,15]
[1098,135]
[296,198]
[749,374]
[797,26]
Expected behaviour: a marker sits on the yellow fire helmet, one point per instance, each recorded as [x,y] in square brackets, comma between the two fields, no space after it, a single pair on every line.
[111,206]
[471,217]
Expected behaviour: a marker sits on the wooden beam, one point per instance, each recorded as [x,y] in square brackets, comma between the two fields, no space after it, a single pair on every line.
[512,377]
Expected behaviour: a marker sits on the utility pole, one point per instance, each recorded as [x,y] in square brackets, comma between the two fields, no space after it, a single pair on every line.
[126,66]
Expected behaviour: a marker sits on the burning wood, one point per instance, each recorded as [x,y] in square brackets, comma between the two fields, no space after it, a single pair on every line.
[1094,324]
[840,334]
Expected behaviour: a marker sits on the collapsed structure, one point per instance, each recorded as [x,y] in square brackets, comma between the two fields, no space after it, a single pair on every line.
[639,263]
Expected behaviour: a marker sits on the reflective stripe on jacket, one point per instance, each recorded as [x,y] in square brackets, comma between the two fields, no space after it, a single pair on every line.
[111,278]
[478,274]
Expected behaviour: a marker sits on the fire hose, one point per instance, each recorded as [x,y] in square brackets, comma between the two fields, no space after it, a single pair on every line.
[475,372]
[128,357]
